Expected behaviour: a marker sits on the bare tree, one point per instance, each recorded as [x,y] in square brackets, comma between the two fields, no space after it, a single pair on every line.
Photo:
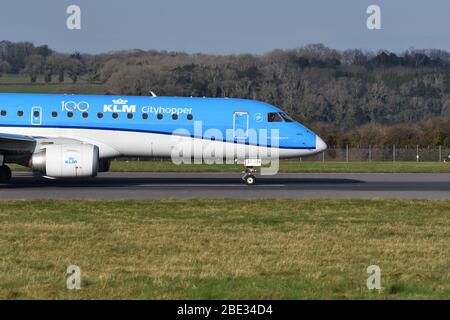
[4,68]
[34,67]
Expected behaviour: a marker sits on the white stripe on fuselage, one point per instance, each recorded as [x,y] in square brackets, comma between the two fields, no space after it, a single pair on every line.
[125,143]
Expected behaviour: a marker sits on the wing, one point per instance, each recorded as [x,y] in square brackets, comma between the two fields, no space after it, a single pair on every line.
[4,137]
[12,144]
[16,144]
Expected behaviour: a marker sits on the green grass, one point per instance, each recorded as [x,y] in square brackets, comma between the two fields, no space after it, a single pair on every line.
[225,249]
[20,79]
[54,88]
[21,84]
[285,166]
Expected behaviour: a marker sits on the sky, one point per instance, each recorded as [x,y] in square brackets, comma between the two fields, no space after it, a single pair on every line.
[226,26]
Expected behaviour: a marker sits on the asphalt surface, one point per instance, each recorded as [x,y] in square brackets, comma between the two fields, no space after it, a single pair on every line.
[225,185]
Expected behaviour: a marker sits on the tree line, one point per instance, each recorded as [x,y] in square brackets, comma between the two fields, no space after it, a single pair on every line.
[351,97]
[25,58]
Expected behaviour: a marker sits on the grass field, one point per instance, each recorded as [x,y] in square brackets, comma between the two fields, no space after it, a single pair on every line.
[205,249]
[24,80]
[21,84]
[54,89]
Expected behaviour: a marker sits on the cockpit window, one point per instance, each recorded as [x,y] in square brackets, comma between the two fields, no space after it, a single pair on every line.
[286,117]
[274,117]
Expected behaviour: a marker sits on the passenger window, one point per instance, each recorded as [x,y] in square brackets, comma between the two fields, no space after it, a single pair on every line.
[130,116]
[115,115]
[175,116]
[145,116]
[36,114]
[274,117]
[99,115]
[69,114]
[85,115]
[54,114]
[190,117]
[20,113]
[3,113]
[160,116]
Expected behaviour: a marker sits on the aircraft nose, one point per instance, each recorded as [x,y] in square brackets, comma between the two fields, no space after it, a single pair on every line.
[320,144]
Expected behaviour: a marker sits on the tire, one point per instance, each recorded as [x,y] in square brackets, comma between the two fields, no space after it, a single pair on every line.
[250,180]
[5,174]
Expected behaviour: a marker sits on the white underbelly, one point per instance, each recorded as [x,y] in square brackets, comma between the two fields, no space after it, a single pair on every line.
[124,143]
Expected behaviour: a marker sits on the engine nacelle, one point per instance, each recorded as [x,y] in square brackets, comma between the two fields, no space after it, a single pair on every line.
[67,161]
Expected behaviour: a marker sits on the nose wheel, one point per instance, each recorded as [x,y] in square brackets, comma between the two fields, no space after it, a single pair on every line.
[5,174]
[249,177]
[249,180]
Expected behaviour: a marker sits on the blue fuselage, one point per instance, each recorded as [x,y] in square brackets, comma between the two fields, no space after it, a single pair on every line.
[230,120]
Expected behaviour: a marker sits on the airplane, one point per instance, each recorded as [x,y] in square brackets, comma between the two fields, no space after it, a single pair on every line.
[77,136]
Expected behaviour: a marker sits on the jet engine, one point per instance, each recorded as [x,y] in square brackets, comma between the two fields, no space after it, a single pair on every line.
[67,161]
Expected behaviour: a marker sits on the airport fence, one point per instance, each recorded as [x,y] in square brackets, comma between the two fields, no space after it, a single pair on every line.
[348,154]
[419,154]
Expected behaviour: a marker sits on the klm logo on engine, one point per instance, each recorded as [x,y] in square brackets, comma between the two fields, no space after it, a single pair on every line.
[71,160]
[119,106]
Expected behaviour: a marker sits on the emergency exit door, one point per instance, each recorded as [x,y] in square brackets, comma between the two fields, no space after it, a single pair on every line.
[240,125]
[36,116]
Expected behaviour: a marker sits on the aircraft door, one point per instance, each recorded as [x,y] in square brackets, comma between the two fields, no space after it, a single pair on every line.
[36,116]
[240,125]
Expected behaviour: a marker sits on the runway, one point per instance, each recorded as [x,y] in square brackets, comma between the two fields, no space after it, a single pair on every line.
[230,186]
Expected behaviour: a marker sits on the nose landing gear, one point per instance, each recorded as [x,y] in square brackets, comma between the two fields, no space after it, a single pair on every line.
[249,173]
[249,177]
[5,174]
